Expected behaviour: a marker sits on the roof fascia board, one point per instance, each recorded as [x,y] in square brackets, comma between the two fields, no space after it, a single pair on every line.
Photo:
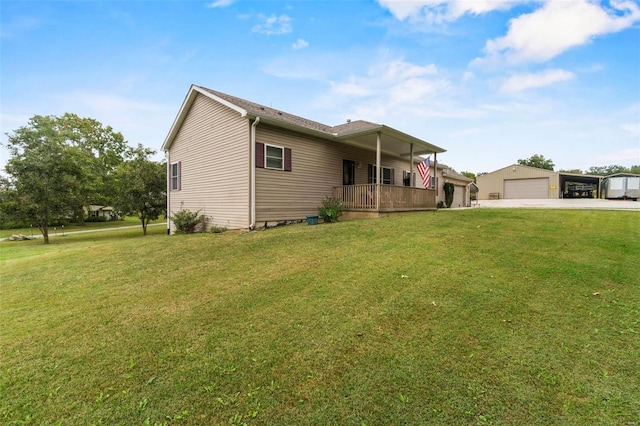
[290,126]
[317,133]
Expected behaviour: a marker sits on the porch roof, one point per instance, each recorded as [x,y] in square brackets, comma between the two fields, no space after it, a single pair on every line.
[358,133]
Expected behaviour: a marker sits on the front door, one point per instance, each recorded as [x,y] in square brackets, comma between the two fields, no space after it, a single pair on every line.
[348,172]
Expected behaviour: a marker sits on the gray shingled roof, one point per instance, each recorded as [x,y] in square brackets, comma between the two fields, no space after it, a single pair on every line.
[264,111]
[359,131]
[453,174]
[354,127]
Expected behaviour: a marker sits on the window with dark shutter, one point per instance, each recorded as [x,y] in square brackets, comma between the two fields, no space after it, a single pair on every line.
[273,157]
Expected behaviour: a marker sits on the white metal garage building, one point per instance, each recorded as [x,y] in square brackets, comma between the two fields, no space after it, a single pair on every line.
[524,182]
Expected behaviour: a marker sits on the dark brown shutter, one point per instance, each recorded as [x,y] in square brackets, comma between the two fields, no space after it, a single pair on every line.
[369,173]
[287,159]
[259,155]
[393,175]
[179,175]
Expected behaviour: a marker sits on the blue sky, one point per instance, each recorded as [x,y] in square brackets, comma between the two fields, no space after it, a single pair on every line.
[490,81]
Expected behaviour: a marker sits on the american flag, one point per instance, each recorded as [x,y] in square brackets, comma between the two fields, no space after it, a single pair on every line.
[425,172]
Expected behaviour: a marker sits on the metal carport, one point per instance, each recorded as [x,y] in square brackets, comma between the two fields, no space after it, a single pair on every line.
[567,179]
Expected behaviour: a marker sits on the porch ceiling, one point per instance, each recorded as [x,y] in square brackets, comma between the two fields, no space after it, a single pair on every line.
[392,142]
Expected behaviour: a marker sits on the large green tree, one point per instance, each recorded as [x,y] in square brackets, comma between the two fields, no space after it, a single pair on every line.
[142,186]
[43,172]
[58,166]
[607,170]
[538,161]
[470,175]
[102,150]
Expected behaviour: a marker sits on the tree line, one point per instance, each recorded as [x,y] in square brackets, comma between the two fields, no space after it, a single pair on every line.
[60,165]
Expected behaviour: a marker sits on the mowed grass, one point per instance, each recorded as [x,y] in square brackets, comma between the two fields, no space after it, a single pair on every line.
[59,231]
[451,317]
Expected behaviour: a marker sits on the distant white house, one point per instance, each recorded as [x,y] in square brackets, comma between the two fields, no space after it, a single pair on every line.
[101,211]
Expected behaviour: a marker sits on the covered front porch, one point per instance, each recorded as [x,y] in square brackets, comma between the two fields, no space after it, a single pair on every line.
[375,197]
[402,155]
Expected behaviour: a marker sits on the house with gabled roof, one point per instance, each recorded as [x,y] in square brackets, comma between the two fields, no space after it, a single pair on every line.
[242,164]
[461,186]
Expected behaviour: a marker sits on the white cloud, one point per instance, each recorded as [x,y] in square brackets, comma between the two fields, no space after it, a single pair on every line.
[556,27]
[220,3]
[397,80]
[633,129]
[398,70]
[467,76]
[300,44]
[351,88]
[520,82]
[394,92]
[273,25]
[439,11]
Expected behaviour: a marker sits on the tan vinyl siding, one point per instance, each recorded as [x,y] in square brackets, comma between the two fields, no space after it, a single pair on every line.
[316,169]
[213,148]
[494,182]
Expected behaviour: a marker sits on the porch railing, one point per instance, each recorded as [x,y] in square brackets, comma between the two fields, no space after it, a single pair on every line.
[392,198]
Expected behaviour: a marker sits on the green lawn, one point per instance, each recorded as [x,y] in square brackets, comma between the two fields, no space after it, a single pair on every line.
[55,231]
[453,317]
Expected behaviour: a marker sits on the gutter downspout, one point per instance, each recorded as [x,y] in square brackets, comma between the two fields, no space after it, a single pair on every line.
[252,190]
[378,177]
[168,193]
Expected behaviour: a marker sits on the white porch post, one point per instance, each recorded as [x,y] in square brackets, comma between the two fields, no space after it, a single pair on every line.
[435,170]
[378,177]
[411,167]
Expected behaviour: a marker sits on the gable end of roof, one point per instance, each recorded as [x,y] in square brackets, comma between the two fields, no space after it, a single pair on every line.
[186,105]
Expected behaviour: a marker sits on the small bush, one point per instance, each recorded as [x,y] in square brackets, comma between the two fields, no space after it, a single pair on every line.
[186,221]
[217,229]
[331,209]
[440,205]
[448,193]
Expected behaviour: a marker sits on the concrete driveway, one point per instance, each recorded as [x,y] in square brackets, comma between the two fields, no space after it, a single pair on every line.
[566,203]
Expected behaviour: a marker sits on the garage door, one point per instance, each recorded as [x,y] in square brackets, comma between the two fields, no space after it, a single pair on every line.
[526,188]
[458,196]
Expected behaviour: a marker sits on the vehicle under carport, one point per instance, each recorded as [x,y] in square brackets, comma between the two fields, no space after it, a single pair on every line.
[579,186]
